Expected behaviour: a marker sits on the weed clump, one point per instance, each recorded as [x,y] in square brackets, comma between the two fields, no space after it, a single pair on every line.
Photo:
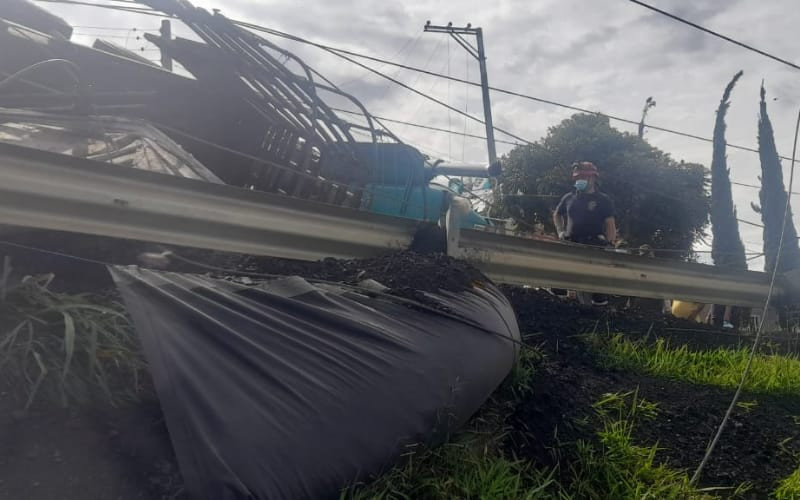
[59,348]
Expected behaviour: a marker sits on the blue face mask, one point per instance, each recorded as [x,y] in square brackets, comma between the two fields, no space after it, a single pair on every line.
[581,184]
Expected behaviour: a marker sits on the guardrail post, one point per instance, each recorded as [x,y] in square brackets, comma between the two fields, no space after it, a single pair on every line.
[455,214]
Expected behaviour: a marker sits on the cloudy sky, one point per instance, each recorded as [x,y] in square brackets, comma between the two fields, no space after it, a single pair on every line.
[604,55]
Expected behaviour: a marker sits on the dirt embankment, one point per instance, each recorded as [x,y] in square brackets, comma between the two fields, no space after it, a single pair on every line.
[759,441]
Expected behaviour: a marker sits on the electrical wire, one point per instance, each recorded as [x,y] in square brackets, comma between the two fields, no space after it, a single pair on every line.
[106,28]
[433,85]
[718,35]
[135,10]
[466,106]
[793,193]
[393,80]
[72,69]
[427,127]
[494,89]
[749,223]
[449,114]
[339,52]
[757,340]
[410,44]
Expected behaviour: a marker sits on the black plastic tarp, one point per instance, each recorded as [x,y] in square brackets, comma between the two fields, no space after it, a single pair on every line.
[287,389]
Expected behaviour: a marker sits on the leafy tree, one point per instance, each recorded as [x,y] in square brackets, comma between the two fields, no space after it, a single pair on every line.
[659,201]
[773,200]
[727,249]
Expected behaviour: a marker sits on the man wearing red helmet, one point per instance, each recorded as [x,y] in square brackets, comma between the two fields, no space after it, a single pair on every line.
[586,215]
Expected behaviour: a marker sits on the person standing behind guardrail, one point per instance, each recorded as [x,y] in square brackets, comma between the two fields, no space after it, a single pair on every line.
[586,215]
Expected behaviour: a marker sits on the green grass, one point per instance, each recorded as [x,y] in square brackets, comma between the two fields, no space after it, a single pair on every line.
[476,465]
[469,468]
[615,467]
[66,348]
[720,367]
[789,488]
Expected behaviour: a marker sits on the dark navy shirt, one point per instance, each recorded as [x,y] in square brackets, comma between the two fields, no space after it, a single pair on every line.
[586,213]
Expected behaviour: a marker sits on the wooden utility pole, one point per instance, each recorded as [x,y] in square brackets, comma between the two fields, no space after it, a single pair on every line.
[479,54]
[166,34]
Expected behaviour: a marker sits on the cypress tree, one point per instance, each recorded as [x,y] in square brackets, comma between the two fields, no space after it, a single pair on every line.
[727,249]
[773,197]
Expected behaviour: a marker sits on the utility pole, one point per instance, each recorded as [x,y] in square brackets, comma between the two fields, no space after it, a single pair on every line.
[166,33]
[477,53]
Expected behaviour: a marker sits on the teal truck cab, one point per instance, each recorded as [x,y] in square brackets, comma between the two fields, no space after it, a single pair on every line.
[401,183]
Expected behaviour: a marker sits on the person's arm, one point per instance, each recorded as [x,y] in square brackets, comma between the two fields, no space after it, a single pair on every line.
[609,223]
[558,221]
[559,217]
[610,229]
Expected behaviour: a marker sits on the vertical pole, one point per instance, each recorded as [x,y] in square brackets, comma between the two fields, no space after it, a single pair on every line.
[166,33]
[487,105]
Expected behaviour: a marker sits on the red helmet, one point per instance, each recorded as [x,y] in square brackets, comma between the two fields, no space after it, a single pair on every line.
[584,169]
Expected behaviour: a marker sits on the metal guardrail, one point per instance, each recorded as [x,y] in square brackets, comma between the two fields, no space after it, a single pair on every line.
[43,190]
[51,191]
[522,261]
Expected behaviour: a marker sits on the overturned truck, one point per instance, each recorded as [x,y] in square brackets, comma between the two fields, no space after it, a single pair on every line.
[280,387]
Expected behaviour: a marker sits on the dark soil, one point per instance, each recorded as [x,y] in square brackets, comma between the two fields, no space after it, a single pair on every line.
[402,271]
[569,381]
[121,453]
[405,273]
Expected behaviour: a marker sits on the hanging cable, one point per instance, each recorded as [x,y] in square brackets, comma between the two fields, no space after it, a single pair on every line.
[494,89]
[449,100]
[71,68]
[466,107]
[426,127]
[718,35]
[430,90]
[394,80]
[134,10]
[793,193]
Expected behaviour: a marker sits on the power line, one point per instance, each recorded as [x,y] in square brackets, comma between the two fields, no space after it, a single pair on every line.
[339,52]
[391,79]
[106,28]
[793,193]
[427,127]
[718,35]
[749,223]
[541,100]
[135,10]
